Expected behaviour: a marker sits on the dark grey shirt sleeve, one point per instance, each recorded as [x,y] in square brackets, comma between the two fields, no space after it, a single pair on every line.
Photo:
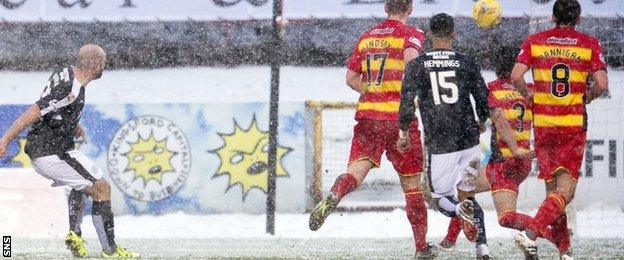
[407,108]
[479,91]
[53,95]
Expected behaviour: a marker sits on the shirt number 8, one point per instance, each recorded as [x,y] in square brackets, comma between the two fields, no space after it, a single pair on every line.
[560,85]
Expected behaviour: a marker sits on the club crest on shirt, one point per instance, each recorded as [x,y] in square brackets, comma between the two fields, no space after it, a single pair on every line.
[71,97]
[54,104]
[415,40]
[149,158]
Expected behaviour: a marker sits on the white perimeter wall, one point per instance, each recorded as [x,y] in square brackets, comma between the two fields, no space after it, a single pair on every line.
[251,84]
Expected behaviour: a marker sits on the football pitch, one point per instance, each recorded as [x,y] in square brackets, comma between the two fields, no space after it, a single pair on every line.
[318,248]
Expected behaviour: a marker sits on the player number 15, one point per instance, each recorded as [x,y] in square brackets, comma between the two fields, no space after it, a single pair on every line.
[443,79]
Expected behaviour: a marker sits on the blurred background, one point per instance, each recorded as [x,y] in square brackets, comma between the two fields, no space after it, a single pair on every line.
[36,34]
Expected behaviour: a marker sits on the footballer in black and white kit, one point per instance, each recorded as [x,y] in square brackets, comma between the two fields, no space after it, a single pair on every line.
[50,142]
[442,81]
[54,123]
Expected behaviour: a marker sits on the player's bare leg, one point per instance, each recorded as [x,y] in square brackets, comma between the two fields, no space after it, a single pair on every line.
[102,215]
[74,241]
[345,183]
[416,211]
[505,204]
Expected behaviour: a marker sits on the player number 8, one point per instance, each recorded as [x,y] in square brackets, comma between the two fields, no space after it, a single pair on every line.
[560,85]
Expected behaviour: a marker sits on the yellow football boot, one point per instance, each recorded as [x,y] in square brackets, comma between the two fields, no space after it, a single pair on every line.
[121,252]
[322,210]
[75,244]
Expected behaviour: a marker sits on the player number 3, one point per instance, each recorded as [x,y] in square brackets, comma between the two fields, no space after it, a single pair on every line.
[520,123]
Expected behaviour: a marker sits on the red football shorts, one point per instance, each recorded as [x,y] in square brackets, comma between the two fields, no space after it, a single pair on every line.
[559,151]
[508,174]
[371,138]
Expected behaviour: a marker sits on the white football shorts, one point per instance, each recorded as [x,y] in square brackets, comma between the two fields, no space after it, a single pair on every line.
[448,171]
[71,168]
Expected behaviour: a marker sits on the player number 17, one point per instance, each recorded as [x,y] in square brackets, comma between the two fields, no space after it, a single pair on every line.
[370,57]
[444,79]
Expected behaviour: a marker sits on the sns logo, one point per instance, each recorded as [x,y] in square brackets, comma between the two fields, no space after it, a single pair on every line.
[6,246]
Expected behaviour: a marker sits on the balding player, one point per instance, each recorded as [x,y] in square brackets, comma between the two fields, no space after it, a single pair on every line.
[51,148]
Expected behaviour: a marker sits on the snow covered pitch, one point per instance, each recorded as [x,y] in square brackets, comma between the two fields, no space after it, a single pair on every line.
[320,248]
[372,235]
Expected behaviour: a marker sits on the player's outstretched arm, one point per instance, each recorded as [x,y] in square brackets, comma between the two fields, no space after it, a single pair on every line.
[354,81]
[517,79]
[601,86]
[27,118]
[506,133]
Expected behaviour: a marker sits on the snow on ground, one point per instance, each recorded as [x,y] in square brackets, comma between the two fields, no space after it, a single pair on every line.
[392,224]
[326,248]
[378,235]
[368,235]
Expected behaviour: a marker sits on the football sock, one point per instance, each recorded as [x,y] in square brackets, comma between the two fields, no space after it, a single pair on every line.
[417,215]
[75,204]
[561,233]
[519,221]
[552,207]
[547,233]
[479,220]
[514,220]
[104,225]
[344,184]
[448,206]
[453,230]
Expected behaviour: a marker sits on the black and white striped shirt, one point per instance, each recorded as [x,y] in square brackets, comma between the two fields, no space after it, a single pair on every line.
[61,105]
